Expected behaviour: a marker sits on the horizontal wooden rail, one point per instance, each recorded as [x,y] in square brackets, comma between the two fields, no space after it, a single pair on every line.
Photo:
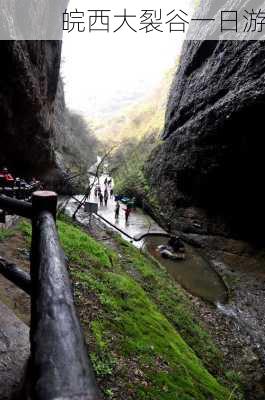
[14,206]
[60,365]
[60,368]
[16,275]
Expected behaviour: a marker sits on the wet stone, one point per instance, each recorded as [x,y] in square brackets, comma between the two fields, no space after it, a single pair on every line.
[14,352]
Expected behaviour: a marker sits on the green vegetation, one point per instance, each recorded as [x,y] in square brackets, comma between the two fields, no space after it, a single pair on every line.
[141,119]
[6,233]
[81,249]
[172,302]
[142,335]
[129,176]
[136,133]
[25,228]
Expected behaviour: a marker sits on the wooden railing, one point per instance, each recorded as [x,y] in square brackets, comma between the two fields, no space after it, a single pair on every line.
[59,364]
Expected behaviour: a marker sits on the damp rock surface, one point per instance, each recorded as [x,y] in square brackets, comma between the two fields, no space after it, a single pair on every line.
[28,86]
[14,350]
[212,151]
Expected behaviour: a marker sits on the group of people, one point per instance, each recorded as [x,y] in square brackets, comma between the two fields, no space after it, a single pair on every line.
[108,182]
[6,178]
[127,211]
[17,187]
[103,197]
[108,192]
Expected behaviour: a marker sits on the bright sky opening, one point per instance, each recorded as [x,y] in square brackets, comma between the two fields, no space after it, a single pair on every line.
[104,72]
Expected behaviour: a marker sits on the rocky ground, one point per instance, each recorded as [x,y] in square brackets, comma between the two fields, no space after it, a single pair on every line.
[14,316]
[13,249]
[238,327]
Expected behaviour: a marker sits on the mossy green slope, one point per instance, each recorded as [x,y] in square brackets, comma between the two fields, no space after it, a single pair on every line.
[131,327]
[173,303]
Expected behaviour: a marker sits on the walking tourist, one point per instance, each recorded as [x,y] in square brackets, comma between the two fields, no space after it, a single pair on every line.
[101,199]
[127,213]
[106,197]
[117,210]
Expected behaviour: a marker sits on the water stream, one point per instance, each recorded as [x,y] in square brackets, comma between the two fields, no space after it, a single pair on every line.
[194,273]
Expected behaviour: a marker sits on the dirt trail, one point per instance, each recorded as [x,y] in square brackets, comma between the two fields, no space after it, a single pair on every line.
[14,321]
[13,249]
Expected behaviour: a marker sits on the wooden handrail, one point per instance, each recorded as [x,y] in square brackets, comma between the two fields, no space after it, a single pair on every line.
[16,275]
[59,365]
[14,206]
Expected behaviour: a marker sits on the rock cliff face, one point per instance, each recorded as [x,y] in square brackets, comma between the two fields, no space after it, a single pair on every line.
[212,156]
[76,146]
[37,137]
[29,74]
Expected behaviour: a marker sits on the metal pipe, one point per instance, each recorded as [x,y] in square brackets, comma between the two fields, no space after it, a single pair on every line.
[136,238]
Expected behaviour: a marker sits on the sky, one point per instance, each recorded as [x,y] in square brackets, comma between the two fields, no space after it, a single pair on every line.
[103,72]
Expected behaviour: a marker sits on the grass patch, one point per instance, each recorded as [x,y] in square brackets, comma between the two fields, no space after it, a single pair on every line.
[172,302]
[133,326]
[6,233]
[25,228]
[82,249]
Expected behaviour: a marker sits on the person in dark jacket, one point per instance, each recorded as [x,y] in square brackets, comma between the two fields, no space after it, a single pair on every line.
[117,210]
[100,199]
[127,213]
[6,177]
[106,197]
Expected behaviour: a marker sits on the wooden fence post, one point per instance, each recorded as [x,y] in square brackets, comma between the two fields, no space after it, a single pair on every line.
[44,201]
[60,367]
